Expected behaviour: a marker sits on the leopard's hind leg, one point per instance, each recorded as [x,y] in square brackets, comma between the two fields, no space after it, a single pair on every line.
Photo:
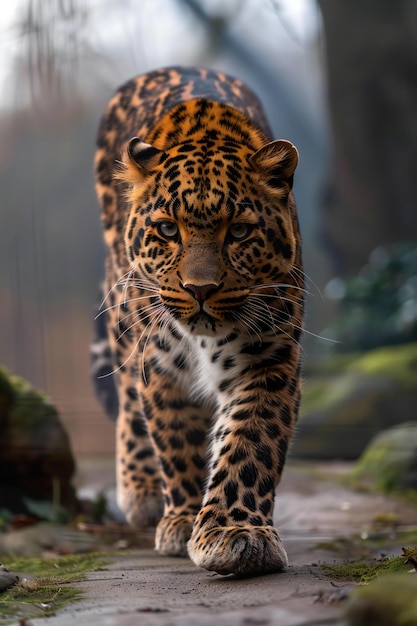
[138,474]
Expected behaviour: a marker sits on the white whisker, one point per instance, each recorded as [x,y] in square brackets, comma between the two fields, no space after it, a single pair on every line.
[278,286]
[125,286]
[248,322]
[157,319]
[280,296]
[308,279]
[274,314]
[125,302]
[112,288]
[258,309]
[156,313]
[152,308]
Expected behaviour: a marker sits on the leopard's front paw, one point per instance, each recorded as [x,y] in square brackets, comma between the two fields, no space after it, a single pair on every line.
[240,550]
[173,533]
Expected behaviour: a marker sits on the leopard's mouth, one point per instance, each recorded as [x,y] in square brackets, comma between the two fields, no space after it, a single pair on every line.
[202,322]
[202,319]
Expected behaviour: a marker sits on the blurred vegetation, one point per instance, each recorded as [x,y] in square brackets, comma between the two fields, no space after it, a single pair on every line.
[378,306]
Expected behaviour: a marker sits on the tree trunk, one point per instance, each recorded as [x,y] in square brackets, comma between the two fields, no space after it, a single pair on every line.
[372,74]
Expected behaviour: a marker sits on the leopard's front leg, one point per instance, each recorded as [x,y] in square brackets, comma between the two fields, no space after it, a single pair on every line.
[178,429]
[233,532]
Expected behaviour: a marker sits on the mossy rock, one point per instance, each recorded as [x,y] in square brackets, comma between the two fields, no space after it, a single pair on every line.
[389,463]
[36,462]
[347,400]
[388,601]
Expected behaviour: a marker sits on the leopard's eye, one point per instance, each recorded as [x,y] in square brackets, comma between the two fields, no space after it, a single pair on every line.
[240,230]
[168,229]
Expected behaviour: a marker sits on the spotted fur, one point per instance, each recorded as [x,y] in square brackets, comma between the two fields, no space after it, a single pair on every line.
[203,307]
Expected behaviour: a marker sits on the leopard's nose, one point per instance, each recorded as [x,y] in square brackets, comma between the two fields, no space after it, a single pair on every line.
[200,292]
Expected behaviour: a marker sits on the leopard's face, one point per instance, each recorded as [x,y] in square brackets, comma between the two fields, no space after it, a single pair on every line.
[210,228]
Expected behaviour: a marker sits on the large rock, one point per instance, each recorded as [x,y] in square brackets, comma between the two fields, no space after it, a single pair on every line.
[390,461]
[36,462]
[349,399]
[390,600]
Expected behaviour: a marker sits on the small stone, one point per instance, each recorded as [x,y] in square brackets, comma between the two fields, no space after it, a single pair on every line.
[7,579]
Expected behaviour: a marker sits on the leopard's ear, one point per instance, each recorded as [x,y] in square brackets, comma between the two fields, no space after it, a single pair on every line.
[276,162]
[143,155]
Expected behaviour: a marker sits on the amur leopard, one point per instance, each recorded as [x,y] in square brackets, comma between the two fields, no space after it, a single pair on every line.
[203,307]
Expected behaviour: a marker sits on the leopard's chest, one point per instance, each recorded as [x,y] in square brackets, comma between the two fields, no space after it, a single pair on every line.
[207,364]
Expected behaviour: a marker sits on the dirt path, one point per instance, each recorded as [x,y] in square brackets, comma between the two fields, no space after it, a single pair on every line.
[143,588]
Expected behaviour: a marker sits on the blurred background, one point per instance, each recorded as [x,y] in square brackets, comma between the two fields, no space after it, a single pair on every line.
[338,79]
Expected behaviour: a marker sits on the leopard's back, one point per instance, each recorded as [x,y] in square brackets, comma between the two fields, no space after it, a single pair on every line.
[139,104]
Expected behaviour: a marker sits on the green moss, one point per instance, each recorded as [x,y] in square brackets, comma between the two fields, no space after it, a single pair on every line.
[42,589]
[325,393]
[398,362]
[6,388]
[330,381]
[35,599]
[71,567]
[387,460]
[332,364]
[348,400]
[370,465]
[29,406]
[321,381]
[364,571]
[313,394]
[385,520]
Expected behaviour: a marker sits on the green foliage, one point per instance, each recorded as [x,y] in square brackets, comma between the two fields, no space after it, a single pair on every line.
[378,306]
[99,508]
[49,511]
[5,517]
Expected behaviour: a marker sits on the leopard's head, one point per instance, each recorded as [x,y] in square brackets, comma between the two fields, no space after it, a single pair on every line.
[211,227]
